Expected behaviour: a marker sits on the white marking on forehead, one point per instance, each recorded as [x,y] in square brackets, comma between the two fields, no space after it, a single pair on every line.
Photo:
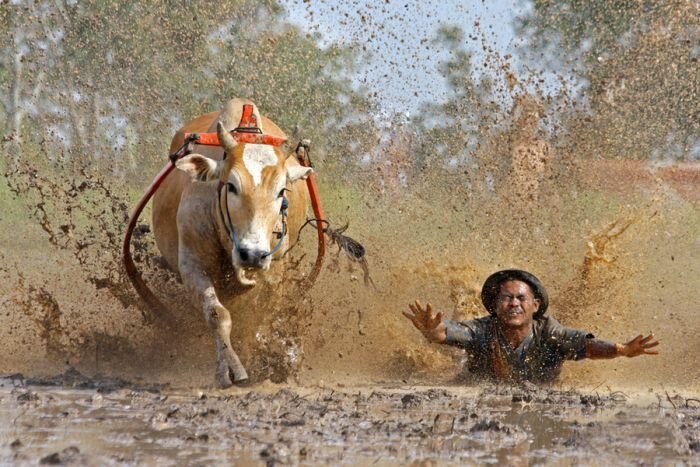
[256,157]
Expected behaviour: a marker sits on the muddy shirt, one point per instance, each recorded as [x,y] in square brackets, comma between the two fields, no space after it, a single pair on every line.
[537,359]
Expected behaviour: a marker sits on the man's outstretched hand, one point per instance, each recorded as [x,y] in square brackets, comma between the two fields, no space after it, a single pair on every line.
[640,345]
[430,326]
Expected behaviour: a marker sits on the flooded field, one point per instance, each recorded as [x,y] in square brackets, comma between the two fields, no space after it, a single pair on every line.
[92,422]
[454,139]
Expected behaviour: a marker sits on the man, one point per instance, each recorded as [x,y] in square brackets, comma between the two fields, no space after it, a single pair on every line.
[518,341]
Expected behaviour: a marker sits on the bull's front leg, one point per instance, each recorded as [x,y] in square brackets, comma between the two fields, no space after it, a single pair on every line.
[229,369]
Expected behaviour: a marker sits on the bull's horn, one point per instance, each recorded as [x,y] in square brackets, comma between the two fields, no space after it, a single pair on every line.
[225,138]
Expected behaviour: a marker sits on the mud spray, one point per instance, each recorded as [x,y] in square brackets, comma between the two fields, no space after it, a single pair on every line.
[511,171]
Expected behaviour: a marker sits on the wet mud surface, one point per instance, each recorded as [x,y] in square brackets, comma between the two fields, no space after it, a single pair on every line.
[585,175]
[73,420]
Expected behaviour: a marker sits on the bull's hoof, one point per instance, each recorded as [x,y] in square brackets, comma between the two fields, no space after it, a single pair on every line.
[226,383]
[242,383]
[229,369]
[226,377]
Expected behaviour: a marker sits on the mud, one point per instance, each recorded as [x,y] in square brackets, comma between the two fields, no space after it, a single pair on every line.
[74,420]
[585,174]
[340,376]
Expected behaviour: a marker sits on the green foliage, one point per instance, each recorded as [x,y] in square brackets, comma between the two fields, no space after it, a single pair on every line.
[289,77]
[110,81]
[588,27]
[639,61]
[455,127]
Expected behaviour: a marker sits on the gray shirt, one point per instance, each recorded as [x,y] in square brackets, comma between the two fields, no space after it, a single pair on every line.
[537,359]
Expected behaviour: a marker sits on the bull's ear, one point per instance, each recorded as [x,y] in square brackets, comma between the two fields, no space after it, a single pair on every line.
[198,167]
[297,172]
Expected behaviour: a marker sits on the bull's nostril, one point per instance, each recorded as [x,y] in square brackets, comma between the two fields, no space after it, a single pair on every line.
[251,257]
[243,254]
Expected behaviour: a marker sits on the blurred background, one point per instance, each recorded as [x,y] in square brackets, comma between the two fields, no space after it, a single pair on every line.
[455,138]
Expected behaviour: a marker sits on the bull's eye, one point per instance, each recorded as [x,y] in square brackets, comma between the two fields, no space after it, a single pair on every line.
[232,188]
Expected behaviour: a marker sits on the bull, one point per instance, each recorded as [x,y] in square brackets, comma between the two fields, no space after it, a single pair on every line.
[223,214]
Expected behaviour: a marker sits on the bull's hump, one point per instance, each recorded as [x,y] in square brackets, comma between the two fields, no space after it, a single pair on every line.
[256,157]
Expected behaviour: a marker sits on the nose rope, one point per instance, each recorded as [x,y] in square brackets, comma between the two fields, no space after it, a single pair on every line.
[232,231]
[283,212]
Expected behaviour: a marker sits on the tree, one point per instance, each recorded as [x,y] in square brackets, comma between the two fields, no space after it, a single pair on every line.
[21,71]
[104,74]
[451,133]
[639,63]
[307,89]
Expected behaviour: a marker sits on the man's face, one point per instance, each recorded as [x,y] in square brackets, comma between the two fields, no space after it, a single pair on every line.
[516,304]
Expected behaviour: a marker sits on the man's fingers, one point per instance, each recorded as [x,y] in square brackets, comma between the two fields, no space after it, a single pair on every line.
[646,339]
[649,345]
[438,319]
[413,319]
[417,308]
[416,313]
[650,352]
[634,340]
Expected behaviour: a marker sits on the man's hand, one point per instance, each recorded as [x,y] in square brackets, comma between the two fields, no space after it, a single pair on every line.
[430,326]
[640,345]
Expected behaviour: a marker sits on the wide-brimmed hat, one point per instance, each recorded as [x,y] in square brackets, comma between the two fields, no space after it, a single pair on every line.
[492,287]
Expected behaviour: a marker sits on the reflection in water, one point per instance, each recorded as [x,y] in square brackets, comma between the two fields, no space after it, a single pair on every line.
[321,426]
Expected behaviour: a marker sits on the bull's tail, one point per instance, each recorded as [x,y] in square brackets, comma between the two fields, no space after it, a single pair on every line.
[157,308]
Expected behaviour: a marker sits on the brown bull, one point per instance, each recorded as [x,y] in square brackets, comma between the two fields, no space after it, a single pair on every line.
[221,213]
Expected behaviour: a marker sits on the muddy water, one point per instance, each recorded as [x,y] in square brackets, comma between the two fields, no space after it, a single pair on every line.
[108,424]
[339,374]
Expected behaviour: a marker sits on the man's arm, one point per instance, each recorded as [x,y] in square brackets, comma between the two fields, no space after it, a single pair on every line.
[441,331]
[640,345]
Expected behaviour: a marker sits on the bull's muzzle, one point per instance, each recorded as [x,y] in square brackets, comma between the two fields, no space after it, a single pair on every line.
[252,257]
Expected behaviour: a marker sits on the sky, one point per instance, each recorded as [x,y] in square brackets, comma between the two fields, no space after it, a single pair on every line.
[398,36]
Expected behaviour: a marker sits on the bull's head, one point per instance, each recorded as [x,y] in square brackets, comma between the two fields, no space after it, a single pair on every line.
[252,182]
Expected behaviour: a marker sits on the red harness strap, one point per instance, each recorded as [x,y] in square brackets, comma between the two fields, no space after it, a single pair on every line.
[211,139]
[302,153]
[247,131]
[249,121]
